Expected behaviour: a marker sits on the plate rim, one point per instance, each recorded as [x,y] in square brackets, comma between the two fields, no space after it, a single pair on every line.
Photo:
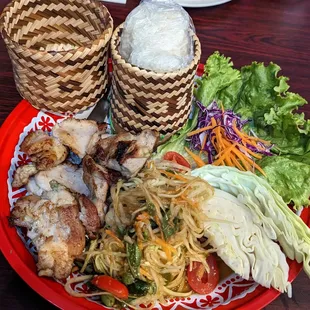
[49,289]
[188,4]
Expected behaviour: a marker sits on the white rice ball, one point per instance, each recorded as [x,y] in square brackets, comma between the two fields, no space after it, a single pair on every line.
[157,36]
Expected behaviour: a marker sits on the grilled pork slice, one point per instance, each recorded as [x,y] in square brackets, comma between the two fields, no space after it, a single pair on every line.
[22,175]
[125,152]
[68,175]
[55,230]
[45,151]
[76,134]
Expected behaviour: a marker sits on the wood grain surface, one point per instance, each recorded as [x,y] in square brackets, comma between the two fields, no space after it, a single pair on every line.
[260,30]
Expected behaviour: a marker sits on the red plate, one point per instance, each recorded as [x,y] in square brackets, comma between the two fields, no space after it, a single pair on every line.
[235,292]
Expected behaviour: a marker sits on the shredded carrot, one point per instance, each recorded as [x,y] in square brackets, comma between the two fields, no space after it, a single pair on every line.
[200,130]
[140,245]
[191,202]
[256,166]
[260,140]
[229,152]
[213,122]
[157,221]
[219,137]
[144,217]
[228,162]
[214,144]
[168,249]
[224,155]
[258,156]
[243,135]
[173,175]
[112,234]
[225,151]
[199,162]
[145,273]
[150,164]
[204,141]
[236,162]
[138,230]
[244,158]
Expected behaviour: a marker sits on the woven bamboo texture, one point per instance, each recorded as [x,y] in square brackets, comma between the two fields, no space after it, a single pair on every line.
[59,51]
[143,99]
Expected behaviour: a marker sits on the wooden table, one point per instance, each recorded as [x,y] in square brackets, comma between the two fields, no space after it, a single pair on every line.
[260,30]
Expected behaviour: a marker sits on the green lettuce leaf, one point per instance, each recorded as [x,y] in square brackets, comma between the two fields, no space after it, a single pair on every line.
[289,178]
[220,81]
[264,99]
[305,159]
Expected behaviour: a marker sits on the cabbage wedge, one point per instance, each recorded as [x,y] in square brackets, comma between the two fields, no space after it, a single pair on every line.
[241,242]
[267,207]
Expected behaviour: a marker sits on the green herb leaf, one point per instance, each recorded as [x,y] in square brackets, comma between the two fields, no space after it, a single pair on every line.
[121,231]
[151,209]
[168,226]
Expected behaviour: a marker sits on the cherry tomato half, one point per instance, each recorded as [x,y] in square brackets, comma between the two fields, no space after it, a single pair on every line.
[177,158]
[111,285]
[201,281]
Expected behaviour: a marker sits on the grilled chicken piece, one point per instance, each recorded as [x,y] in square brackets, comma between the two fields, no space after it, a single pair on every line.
[96,178]
[54,260]
[88,212]
[89,216]
[24,212]
[126,152]
[59,197]
[100,134]
[55,230]
[76,134]
[22,175]
[68,175]
[45,151]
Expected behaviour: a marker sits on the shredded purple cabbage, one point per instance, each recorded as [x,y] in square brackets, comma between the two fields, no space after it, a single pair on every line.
[226,121]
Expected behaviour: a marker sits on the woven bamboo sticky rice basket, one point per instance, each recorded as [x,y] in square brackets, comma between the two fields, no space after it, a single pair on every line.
[143,99]
[59,51]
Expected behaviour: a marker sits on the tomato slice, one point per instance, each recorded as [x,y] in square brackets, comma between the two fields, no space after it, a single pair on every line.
[177,158]
[111,285]
[201,281]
